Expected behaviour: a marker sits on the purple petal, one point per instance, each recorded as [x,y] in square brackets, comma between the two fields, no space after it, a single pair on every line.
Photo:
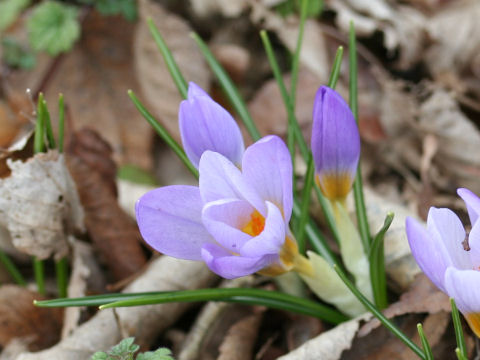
[224,220]
[169,219]
[271,239]
[226,265]
[463,286]
[267,167]
[205,125]
[474,243]
[473,203]
[335,142]
[220,179]
[429,254]
[447,229]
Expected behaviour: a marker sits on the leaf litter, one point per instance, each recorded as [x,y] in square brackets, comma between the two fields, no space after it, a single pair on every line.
[418,75]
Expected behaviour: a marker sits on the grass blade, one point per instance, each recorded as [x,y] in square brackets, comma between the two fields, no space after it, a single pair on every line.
[250,296]
[361,211]
[377,265]
[61,123]
[296,55]
[229,88]
[169,60]
[305,205]
[61,271]
[38,141]
[48,126]
[337,64]
[378,314]
[425,345]
[12,269]
[163,133]
[39,271]
[457,324]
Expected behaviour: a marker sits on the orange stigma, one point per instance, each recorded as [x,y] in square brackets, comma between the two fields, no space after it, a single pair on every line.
[256,224]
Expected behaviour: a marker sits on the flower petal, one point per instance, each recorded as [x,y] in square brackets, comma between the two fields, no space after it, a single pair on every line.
[462,285]
[221,262]
[224,219]
[220,179]
[271,239]
[169,219]
[335,143]
[473,203]
[267,167]
[205,125]
[428,252]
[474,244]
[448,230]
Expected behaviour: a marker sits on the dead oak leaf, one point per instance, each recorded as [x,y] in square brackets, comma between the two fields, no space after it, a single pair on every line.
[39,205]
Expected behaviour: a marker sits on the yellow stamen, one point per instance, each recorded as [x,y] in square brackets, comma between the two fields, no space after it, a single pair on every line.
[334,186]
[473,320]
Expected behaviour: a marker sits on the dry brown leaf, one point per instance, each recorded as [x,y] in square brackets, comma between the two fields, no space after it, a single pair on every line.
[40,206]
[206,8]
[422,296]
[94,78]
[152,74]
[268,109]
[241,337]
[313,55]
[20,319]
[330,344]
[144,322]
[114,234]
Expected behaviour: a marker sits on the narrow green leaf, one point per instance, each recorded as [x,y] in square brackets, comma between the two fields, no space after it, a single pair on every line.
[361,211]
[61,123]
[48,126]
[12,269]
[229,88]
[39,271]
[459,354]
[163,133]
[169,60]
[273,299]
[305,205]
[425,345]
[61,270]
[38,141]
[377,265]
[296,55]
[378,314]
[457,324]
[337,64]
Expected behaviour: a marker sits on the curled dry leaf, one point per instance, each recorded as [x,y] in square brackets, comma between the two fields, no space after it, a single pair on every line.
[241,337]
[114,234]
[144,322]
[39,205]
[231,8]
[152,74]
[421,297]
[20,319]
[330,344]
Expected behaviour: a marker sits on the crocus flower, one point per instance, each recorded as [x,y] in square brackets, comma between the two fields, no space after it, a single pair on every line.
[205,125]
[449,258]
[335,144]
[236,221]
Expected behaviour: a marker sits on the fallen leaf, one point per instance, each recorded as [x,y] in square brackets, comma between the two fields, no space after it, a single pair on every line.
[152,74]
[422,297]
[330,344]
[205,8]
[20,319]
[241,337]
[101,332]
[39,205]
[114,234]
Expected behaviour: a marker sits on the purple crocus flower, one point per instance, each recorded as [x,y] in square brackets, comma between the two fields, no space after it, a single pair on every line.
[205,125]
[449,257]
[236,221]
[335,144]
